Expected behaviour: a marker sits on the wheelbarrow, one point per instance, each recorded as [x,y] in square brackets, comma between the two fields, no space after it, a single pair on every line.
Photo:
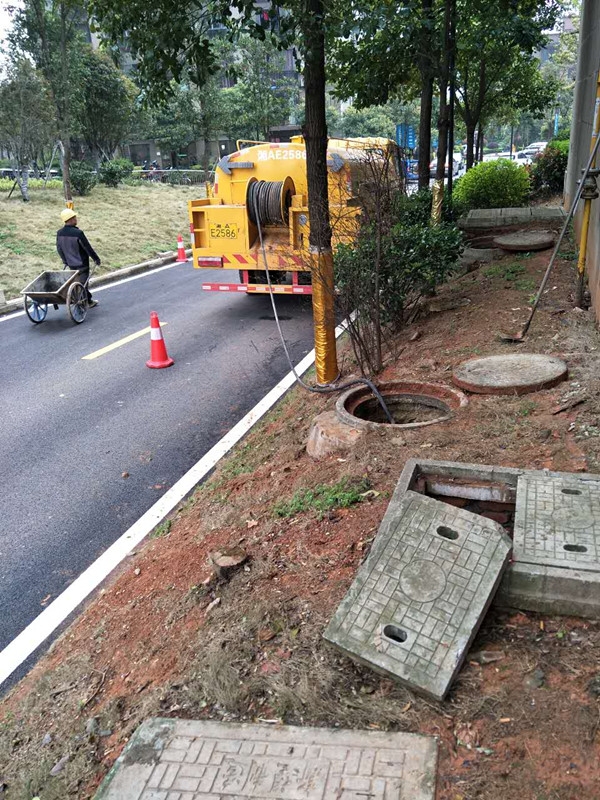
[63,287]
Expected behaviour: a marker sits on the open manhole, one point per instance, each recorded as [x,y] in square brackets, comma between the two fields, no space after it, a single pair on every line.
[413,405]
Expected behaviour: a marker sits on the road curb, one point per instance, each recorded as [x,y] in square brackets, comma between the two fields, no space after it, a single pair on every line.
[16,304]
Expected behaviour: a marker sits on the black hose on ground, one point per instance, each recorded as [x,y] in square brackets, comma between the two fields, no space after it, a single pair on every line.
[258,218]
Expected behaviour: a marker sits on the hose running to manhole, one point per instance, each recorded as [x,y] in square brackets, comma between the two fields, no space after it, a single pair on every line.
[316,389]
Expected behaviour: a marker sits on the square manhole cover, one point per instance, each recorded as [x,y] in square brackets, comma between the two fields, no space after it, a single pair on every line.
[557,521]
[170,759]
[417,601]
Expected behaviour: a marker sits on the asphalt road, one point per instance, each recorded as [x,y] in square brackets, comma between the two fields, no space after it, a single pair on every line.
[71,428]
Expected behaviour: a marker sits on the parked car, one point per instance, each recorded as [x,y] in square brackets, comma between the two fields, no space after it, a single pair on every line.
[534,148]
[458,162]
[521,158]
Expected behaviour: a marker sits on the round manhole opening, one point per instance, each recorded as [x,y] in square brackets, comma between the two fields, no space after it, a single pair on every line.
[412,405]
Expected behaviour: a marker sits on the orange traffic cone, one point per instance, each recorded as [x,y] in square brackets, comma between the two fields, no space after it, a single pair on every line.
[181,256]
[158,351]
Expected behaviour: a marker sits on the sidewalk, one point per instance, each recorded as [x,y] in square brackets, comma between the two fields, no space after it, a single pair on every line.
[164,639]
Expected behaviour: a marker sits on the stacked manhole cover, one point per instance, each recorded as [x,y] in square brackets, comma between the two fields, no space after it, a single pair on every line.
[435,566]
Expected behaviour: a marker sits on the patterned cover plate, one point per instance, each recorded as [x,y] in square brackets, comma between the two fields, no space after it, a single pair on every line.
[418,600]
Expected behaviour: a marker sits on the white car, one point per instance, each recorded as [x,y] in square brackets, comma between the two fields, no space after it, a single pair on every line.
[534,148]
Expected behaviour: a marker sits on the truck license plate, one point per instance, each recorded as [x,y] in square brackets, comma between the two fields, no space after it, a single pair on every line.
[223,230]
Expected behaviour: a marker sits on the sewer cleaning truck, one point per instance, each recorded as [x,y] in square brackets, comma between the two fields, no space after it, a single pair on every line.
[260,192]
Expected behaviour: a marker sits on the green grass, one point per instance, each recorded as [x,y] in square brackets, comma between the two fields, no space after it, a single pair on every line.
[508,272]
[125,226]
[323,497]
[527,408]
[512,273]
[239,463]
[162,530]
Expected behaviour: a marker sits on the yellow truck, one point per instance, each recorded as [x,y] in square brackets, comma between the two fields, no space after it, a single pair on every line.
[265,183]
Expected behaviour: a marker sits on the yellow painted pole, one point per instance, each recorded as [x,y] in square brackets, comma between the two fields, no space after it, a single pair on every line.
[587,208]
[324,315]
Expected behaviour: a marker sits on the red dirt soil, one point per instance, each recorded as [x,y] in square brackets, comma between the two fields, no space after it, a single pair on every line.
[155,642]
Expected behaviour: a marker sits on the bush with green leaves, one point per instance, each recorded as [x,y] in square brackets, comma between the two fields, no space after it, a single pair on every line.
[83,177]
[6,184]
[548,171]
[416,208]
[383,276]
[112,173]
[493,184]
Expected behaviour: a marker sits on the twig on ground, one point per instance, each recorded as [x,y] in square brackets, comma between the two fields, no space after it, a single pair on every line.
[96,690]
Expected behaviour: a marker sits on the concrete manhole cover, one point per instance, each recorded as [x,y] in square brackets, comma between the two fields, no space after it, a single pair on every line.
[170,759]
[557,521]
[417,601]
[525,241]
[515,373]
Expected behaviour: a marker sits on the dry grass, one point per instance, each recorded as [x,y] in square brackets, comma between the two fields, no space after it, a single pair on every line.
[125,225]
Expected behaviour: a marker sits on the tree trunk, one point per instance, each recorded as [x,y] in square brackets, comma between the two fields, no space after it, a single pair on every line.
[65,159]
[480,143]
[444,115]
[206,158]
[315,137]
[470,143]
[425,129]
[24,185]
[315,128]
[426,70]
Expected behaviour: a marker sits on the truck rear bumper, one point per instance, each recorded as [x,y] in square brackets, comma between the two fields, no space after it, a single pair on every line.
[256,288]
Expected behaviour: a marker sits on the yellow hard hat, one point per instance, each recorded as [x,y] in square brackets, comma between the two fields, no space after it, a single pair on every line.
[67,214]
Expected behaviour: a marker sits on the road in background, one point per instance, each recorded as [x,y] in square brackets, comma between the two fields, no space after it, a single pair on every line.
[89,445]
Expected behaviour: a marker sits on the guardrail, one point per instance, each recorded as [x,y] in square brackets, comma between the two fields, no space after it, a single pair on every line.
[175,177]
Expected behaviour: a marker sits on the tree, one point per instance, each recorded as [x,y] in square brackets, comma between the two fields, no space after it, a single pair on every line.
[108,105]
[386,51]
[49,34]
[263,95]
[26,122]
[172,123]
[495,64]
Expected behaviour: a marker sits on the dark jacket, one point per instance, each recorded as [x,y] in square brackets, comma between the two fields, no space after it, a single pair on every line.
[74,248]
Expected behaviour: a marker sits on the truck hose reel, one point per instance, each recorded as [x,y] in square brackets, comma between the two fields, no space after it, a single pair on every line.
[270,201]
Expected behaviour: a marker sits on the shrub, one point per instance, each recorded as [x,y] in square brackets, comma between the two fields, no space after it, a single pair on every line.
[83,178]
[111,173]
[413,209]
[548,172]
[382,277]
[493,184]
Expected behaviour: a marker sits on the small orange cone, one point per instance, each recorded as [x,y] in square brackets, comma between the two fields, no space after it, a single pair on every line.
[158,351]
[181,256]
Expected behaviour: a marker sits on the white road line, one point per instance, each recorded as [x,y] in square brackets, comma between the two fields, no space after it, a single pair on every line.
[16,314]
[57,612]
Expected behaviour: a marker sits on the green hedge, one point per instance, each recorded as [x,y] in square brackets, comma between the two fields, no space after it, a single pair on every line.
[34,183]
[493,184]
[83,178]
[112,173]
[548,172]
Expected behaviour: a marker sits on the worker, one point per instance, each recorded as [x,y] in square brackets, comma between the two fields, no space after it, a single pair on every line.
[75,250]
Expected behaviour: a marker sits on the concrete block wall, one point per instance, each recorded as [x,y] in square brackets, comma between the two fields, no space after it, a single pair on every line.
[581,132]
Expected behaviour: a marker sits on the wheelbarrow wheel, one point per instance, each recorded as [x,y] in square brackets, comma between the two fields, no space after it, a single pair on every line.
[77,302]
[35,311]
